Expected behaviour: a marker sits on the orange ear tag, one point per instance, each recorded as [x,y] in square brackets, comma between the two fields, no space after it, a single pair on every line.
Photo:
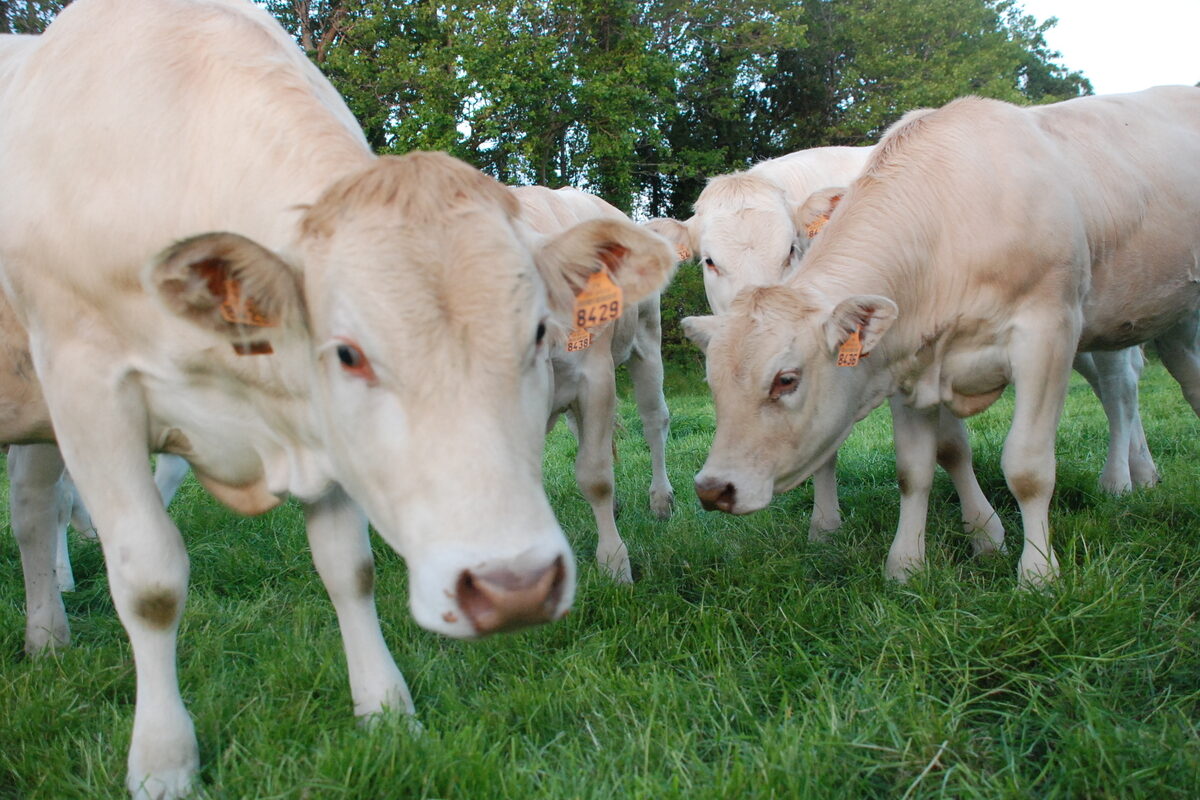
[598,303]
[578,339]
[850,353]
[682,252]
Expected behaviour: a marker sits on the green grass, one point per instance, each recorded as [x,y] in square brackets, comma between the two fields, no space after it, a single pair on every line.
[743,663]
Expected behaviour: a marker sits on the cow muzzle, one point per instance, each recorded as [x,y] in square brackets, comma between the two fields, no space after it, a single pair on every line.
[501,599]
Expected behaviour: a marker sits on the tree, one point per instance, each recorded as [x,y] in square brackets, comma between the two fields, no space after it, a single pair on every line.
[28,16]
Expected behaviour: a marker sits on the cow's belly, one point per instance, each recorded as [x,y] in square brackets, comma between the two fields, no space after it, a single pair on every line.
[1140,319]
[1142,291]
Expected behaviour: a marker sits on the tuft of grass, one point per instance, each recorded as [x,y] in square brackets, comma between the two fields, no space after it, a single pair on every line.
[744,662]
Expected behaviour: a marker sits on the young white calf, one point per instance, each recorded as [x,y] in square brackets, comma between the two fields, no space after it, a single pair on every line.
[585,381]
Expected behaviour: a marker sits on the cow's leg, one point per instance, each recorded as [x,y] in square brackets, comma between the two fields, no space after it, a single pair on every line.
[1142,469]
[1179,349]
[341,550]
[594,407]
[1116,384]
[169,472]
[81,518]
[1040,375]
[147,565]
[34,489]
[646,370]
[980,520]
[915,432]
[826,514]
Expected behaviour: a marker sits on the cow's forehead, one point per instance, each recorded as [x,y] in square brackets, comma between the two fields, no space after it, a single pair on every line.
[759,237]
[441,276]
[762,324]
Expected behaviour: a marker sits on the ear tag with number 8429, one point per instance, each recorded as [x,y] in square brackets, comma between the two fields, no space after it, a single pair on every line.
[596,305]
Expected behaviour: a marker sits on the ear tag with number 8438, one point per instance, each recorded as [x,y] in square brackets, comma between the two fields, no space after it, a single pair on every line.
[596,305]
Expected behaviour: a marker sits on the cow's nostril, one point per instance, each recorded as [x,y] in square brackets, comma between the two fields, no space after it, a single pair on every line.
[716,495]
[505,600]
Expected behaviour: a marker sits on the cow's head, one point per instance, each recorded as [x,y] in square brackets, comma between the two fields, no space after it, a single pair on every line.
[745,232]
[783,404]
[421,310]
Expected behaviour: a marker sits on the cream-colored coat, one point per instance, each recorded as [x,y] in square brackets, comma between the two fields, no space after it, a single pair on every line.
[984,244]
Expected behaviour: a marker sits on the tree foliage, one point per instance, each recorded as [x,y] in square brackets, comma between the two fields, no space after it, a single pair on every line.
[640,100]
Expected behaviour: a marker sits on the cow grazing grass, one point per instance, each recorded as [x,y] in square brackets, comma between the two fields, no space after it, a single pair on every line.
[744,662]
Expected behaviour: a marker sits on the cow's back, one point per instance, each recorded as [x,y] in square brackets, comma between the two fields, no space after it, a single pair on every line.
[1134,162]
[801,173]
[134,123]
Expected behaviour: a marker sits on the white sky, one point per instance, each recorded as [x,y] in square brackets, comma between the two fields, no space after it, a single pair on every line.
[1125,45]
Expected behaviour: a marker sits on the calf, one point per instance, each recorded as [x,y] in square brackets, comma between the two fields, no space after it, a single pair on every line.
[983,245]
[585,381]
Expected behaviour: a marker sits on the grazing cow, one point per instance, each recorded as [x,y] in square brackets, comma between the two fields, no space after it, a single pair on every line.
[585,381]
[983,245]
[210,262]
[751,228]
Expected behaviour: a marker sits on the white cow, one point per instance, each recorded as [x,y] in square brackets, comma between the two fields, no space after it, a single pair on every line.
[751,228]
[346,329]
[982,246]
[585,381]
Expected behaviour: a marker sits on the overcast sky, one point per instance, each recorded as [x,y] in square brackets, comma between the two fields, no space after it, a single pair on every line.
[1125,45]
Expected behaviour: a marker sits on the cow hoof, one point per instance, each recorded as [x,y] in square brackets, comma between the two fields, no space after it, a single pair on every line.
[166,785]
[42,642]
[902,568]
[616,564]
[1036,572]
[662,504]
[1116,484]
[404,719]
[819,528]
[1144,479]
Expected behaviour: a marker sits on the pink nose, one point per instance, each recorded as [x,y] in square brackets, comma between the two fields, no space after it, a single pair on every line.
[716,494]
[503,600]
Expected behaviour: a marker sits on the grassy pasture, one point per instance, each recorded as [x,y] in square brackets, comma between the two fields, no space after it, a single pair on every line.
[743,663]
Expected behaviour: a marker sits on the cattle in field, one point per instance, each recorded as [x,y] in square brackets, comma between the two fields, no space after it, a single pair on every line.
[983,245]
[585,381]
[210,262]
[751,228]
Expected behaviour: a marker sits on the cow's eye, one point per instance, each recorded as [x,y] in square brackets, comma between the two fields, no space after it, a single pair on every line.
[785,382]
[354,362]
[541,332]
[708,264]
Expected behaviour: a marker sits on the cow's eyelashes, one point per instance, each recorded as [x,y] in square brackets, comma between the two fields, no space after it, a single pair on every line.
[708,264]
[354,361]
[786,381]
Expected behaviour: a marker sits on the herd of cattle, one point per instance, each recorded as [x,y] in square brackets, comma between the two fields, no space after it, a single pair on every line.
[202,258]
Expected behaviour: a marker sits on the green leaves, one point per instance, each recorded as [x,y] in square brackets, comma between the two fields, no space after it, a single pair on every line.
[641,101]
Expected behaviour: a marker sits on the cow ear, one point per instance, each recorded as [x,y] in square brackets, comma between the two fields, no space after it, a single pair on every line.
[640,262]
[700,330]
[228,284]
[810,217]
[868,314]
[675,232]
